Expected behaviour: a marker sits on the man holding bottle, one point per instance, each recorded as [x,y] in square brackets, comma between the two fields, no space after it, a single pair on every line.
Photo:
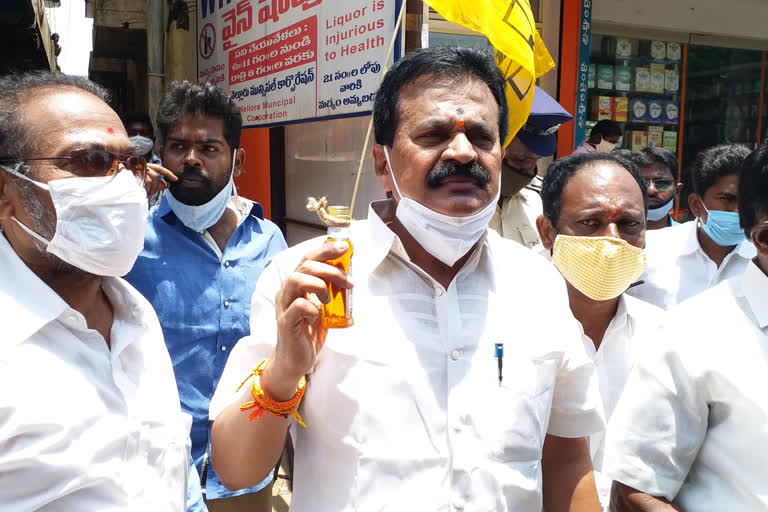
[414,406]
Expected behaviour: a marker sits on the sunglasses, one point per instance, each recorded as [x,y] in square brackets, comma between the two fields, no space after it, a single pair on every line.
[661,185]
[97,163]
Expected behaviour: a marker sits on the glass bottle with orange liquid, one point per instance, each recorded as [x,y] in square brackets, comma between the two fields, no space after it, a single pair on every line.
[338,312]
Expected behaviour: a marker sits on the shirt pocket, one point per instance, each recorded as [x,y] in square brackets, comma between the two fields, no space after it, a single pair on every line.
[165,449]
[514,417]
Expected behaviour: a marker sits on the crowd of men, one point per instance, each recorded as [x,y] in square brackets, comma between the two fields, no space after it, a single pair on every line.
[520,342]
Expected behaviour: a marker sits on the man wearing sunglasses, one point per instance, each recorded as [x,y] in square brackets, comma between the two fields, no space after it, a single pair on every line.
[685,260]
[659,168]
[689,429]
[204,250]
[89,413]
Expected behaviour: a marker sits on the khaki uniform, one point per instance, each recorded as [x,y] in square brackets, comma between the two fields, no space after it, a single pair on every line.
[516,218]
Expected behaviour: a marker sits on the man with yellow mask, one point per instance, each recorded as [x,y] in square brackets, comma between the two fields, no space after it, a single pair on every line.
[594,224]
[520,204]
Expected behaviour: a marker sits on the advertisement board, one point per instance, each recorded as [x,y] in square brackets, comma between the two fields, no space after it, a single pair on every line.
[286,61]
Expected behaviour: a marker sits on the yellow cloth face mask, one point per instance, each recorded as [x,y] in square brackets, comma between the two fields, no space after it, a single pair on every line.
[600,267]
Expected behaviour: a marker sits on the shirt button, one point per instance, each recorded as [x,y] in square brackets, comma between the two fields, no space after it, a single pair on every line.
[226,303]
[458,505]
[455,355]
[223,348]
[226,264]
[439,292]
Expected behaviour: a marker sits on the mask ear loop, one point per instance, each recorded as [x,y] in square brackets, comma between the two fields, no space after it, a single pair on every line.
[392,172]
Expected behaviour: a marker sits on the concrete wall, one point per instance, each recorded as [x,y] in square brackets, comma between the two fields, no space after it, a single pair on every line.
[740,19]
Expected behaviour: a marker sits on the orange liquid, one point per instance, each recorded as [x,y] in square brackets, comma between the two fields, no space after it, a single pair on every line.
[338,312]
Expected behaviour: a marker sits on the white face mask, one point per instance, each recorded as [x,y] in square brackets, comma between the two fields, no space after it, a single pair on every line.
[660,212]
[201,217]
[444,237]
[605,146]
[99,222]
[141,144]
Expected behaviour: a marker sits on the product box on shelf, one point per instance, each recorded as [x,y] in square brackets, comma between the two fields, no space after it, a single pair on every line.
[655,136]
[602,107]
[638,110]
[669,140]
[671,80]
[674,51]
[620,107]
[623,47]
[639,140]
[642,79]
[671,112]
[657,75]
[604,76]
[623,78]
[656,111]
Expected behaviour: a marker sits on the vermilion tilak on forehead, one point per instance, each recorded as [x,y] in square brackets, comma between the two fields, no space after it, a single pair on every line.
[614,215]
[110,130]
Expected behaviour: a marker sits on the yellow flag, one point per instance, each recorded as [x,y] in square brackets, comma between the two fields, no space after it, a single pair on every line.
[520,53]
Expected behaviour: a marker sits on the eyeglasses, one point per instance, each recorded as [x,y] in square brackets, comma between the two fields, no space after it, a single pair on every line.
[92,163]
[660,185]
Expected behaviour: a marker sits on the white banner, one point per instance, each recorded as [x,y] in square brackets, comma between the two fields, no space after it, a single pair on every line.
[291,60]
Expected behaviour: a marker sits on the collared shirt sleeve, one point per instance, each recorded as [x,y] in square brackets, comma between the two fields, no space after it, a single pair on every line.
[659,423]
[576,404]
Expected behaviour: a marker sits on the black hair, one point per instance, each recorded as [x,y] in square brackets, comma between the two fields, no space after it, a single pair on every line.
[437,64]
[650,156]
[18,141]
[136,117]
[714,163]
[753,188]
[207,100]
[606,128]
[561,171]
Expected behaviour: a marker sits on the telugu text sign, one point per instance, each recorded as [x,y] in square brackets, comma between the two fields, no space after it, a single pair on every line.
[291,60]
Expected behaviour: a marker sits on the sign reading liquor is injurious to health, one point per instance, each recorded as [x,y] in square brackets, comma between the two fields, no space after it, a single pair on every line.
[290,60]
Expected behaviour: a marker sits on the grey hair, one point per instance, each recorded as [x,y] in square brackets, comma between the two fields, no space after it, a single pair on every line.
[16,140]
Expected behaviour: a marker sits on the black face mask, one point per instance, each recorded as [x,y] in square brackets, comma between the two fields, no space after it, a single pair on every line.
[513,180]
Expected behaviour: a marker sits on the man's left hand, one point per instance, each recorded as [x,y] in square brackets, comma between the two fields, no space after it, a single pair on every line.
[153,184]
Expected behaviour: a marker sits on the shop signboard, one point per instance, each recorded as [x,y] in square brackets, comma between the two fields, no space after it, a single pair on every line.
[582,82]
[286,61]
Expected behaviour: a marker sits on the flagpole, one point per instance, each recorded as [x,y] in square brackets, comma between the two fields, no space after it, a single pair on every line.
[370,123]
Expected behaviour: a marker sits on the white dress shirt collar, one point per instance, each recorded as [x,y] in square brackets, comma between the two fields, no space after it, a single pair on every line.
[754,286]
[28,303]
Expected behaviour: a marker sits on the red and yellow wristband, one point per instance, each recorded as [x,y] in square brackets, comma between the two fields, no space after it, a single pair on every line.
[261,402]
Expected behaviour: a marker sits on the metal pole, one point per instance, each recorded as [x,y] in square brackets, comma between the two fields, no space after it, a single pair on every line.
[155,55]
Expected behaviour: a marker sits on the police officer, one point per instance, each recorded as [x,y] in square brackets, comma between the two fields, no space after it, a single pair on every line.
[520,204]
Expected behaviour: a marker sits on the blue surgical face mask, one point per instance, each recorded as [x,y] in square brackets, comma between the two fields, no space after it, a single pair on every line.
[723,227]
[199,218]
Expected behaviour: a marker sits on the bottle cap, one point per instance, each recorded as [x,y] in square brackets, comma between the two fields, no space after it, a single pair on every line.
[339,212]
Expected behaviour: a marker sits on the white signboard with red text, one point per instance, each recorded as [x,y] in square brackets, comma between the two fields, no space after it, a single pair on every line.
[284,61]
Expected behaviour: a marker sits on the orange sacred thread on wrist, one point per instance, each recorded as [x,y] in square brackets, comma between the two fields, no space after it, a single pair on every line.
[261,402]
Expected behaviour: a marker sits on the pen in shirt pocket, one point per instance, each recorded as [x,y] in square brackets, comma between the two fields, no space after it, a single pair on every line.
[500,360]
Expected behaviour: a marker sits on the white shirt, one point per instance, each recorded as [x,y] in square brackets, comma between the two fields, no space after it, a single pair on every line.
[614,359]
[404,409]
[516,218]
[692,424]
[83,427]
[677,267]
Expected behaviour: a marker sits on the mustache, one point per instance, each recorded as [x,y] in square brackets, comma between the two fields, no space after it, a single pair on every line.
[447,169]
[188,171]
